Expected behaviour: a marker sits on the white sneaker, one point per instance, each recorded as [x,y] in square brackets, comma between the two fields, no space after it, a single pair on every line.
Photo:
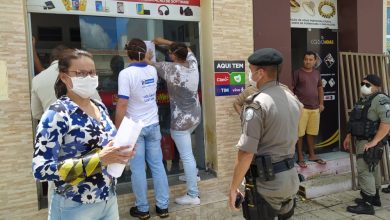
[183,178]
[187,200]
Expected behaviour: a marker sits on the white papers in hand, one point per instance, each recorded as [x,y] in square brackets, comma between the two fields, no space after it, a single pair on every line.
[127,134]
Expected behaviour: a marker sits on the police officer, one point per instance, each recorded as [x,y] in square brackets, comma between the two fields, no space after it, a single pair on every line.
[369,124]
[269,132]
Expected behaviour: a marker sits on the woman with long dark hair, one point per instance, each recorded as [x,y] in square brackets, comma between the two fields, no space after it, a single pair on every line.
[73,145]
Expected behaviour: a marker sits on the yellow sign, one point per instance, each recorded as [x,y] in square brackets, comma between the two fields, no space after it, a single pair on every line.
[3,80]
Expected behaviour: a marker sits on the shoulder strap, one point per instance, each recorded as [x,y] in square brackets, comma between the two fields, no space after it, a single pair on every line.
[368,104]
[373,96]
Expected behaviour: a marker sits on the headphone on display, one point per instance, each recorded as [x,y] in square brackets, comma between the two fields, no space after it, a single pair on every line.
[161,11]
[186,12]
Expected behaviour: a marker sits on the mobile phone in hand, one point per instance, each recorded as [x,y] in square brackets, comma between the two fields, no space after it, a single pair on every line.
[239,200]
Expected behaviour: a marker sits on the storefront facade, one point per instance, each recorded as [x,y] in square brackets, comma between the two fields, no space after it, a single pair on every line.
[227,31]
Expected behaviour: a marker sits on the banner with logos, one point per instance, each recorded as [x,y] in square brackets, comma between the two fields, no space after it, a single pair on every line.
[324,43]
[314,14]
[229,77]
[182,10]
[173,2]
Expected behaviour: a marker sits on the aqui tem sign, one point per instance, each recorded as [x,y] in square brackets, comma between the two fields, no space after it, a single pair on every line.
[229,77]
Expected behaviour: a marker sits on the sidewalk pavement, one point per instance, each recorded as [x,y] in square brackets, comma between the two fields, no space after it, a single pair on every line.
[330,207]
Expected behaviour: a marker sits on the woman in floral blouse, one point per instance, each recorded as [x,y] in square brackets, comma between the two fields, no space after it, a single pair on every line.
[73,145]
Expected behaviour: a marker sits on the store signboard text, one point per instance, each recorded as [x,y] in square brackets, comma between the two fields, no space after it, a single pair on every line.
[173,2]
[181,10]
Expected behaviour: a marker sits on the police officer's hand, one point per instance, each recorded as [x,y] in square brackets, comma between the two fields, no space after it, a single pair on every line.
[347,142]
[322,107]
[369,145]
[232,199]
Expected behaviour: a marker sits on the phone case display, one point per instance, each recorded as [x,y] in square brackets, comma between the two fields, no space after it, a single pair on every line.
[76,5]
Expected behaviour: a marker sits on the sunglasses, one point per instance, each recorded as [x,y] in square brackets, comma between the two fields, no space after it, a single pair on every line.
[368,85]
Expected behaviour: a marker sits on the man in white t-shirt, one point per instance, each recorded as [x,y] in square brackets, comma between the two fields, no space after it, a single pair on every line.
[137,85]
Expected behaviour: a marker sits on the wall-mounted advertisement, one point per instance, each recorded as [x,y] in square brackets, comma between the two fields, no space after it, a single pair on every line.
[314,14]
[183,10]
[229,77]
[324,44]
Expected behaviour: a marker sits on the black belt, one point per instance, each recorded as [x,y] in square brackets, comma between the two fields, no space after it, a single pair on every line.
[283,165]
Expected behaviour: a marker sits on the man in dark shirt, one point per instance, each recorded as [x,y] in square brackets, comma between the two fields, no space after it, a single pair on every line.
[307,86]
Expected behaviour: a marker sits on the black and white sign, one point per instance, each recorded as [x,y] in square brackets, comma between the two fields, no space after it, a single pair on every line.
[314,14]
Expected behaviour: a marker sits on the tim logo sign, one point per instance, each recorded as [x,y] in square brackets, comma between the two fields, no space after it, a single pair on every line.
[229,77]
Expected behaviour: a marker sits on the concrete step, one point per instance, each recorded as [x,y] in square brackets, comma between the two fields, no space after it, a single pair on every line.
[325,185]
[336,163]
[333,177]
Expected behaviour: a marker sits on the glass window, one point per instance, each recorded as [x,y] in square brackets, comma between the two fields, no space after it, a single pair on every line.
[105,38]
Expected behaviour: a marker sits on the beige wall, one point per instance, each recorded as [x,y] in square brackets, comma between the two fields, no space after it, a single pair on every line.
[226,34]
[17,189]
[232,34]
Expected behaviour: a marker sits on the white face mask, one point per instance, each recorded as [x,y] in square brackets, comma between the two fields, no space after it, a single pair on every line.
[251,81]
[85,87]
[366,90]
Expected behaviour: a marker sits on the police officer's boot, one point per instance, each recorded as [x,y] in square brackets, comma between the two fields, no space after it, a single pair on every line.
[376,201]
[386,190]
[364,207]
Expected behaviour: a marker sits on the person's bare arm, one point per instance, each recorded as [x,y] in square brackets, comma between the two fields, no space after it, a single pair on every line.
[120,113]
[321,98]
[383,130]
[162,41]
[38,67]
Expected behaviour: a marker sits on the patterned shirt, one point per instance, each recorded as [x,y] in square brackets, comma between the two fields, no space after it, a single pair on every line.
[66,131]
[182,82]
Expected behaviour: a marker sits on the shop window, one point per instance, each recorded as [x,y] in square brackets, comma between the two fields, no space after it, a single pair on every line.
[105,38]
[50,33]
[75,34]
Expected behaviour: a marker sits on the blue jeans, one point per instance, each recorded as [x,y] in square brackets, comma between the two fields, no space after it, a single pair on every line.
[148,147]
[184,146]
[62,208]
